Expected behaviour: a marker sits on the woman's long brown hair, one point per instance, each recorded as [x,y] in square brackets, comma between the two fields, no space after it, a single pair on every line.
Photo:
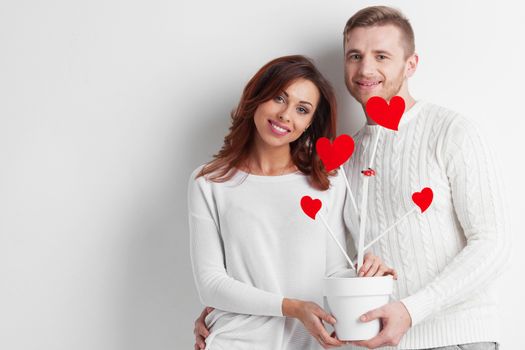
[266,84]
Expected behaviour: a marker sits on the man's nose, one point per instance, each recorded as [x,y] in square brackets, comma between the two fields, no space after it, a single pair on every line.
[367,66]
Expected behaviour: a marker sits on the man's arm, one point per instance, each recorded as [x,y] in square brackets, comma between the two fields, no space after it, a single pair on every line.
[479,207]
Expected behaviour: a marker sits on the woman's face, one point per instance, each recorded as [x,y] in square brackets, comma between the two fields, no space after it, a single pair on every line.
[282,119]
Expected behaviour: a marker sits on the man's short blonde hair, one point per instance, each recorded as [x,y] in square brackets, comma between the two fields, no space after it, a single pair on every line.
[380,16]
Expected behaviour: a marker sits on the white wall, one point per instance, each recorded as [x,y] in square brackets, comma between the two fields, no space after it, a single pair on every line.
[107,106]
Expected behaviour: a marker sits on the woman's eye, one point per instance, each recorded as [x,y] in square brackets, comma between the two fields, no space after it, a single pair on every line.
[279,99]
[302,110]
[381,57]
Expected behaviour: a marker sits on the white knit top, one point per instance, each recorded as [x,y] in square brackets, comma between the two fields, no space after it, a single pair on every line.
[448,257]
[252,245]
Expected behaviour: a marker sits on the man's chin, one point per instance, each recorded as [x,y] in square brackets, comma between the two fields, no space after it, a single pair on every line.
[363,98]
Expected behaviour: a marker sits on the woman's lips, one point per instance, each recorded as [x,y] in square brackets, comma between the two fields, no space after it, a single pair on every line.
[277,128]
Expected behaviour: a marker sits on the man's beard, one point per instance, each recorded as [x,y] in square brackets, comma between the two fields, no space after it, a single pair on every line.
[388,91]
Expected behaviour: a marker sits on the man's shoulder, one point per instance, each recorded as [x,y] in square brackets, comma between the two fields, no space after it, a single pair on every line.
[439,112]
[447,118]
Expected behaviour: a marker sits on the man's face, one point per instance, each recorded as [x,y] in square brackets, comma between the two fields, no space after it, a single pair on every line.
[376,63]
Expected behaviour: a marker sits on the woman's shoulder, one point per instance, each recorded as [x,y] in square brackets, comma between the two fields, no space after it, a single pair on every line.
[194,177]
[199,180]
[202,176]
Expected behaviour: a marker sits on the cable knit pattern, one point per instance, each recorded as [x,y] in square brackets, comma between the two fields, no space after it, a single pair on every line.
[428,241]
[448,257]
[443,240]
[400,232]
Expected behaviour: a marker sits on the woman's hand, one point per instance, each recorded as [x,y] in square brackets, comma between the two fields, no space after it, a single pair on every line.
[312,316]
[374,266]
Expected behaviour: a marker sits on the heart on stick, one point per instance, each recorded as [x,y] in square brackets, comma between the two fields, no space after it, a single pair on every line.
[423,199]
[310,206]
[384,114]
[334,154]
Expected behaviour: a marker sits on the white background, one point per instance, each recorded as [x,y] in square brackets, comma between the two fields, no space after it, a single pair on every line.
[107,106]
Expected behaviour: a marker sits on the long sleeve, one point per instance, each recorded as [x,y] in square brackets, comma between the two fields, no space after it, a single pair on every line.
[479,208]
[215,287]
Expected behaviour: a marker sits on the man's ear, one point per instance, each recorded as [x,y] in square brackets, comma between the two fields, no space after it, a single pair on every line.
[411,65]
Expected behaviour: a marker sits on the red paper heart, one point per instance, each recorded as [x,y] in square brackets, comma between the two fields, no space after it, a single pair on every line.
[335,154]
[310,206]
[384,114]
[423,199]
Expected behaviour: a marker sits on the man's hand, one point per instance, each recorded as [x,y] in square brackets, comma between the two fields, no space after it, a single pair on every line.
[200,330]
[395,321]
[374,266]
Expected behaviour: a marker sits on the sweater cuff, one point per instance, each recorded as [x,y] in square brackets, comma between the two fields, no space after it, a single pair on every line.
[419,305]
[278,307]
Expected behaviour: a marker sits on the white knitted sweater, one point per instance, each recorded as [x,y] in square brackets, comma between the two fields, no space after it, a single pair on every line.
[448,257]
[251,245]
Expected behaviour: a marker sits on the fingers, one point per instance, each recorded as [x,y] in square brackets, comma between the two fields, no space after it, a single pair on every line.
[372,271]
[199,343]
[385,270]
[326,340]
[373,315]
[325,316]
[200,328]
[366,265]
[333,335]
[374,266]
[322,335]
[370,266]
[325,337]
[391,272]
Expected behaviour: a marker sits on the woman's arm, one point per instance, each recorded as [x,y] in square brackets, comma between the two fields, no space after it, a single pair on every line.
[215,287]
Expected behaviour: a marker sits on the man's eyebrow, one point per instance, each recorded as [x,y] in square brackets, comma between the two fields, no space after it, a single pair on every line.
[352,51]
[382,52]
[284,92]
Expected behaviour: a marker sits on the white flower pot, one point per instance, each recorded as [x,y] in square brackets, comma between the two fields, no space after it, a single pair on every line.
[348,297]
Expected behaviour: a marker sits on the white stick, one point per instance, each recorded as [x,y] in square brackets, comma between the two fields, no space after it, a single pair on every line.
[390,228]
[364,207]
[362,224]
[375,149]
[348,188]
[336,241]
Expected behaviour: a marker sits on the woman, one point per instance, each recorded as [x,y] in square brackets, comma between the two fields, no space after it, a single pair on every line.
[257,258]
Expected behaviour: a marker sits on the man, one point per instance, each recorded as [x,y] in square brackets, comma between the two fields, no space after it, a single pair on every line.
[448,257]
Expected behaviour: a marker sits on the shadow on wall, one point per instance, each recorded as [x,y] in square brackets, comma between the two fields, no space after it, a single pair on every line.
[350,113]
[157,301]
